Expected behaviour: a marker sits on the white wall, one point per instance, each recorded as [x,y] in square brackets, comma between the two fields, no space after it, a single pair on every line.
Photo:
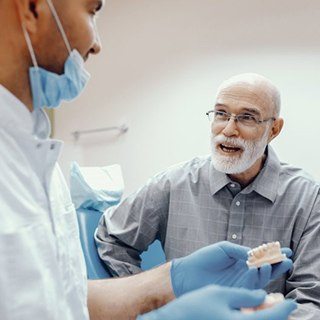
[161,64]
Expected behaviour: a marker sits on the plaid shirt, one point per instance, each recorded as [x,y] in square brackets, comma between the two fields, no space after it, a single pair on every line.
[193,205]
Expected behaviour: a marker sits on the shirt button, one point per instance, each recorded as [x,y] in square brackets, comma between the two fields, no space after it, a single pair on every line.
[52,146]
[234,236]
[232,185]
[238,203]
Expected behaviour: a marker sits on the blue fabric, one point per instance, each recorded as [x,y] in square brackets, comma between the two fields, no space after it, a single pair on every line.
[154,256]
[223,263]
[50,89]
[88,221]
[96,269]
[85,196]
[218,303]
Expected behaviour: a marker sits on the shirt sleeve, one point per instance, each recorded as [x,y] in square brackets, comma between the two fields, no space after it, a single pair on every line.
[303,284]
[125,231]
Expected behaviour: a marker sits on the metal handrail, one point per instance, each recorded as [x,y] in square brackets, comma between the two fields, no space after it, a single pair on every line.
[122,129]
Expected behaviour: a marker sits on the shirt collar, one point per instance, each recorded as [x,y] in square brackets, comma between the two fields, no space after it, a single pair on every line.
[16,116]
[266,183]
[218,180]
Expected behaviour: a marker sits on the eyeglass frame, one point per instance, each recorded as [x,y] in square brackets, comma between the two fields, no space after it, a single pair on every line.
[235,117]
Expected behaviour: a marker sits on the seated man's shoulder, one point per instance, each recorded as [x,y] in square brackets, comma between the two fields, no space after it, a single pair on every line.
[192,166]
[190,170]
[297,177]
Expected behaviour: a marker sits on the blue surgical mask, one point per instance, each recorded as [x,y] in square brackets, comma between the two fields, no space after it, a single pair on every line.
[50,89]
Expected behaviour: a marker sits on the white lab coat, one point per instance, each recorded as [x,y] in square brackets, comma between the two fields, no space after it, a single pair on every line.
[42,270]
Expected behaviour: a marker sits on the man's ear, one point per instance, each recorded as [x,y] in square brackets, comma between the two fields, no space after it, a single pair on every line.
[28,11]
[276,128]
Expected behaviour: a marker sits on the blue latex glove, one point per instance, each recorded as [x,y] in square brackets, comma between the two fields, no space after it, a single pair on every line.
[223,264]
[219,303]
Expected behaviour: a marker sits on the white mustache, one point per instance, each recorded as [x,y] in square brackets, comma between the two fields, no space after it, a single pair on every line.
[235,142]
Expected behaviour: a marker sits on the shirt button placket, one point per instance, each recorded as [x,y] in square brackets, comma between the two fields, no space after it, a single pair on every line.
[236,220]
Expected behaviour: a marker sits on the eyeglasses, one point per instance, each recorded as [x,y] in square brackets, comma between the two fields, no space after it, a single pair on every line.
[244,119]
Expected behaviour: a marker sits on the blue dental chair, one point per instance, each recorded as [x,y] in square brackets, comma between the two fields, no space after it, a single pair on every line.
[96,269]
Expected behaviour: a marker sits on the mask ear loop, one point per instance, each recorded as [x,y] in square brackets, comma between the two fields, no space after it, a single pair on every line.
[59,24]
[35,64]
[29,44]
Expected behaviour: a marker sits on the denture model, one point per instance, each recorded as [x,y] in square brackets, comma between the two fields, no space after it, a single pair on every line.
[266,253]
[270,300]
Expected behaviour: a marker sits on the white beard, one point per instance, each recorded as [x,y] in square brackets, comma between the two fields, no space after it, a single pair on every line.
[252,151]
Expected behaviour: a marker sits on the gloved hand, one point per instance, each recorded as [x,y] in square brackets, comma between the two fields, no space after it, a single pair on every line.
[219,303]
[223,264]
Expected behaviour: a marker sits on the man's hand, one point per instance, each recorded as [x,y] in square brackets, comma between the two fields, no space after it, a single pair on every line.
[218,303]
[223,264]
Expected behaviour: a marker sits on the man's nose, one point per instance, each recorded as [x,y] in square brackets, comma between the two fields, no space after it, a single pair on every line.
[96,47]
[231,128]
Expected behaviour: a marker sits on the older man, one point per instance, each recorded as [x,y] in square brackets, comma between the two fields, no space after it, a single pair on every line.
[241,193]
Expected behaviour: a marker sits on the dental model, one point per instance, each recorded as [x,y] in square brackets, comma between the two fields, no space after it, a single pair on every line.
[270,300]
[266,253]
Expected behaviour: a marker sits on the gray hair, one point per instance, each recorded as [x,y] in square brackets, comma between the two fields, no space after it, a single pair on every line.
[254,79]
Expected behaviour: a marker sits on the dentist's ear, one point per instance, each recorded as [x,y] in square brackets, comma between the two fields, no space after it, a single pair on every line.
[28,11]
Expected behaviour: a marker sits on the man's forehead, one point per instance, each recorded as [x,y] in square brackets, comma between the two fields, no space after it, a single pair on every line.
[246,96]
